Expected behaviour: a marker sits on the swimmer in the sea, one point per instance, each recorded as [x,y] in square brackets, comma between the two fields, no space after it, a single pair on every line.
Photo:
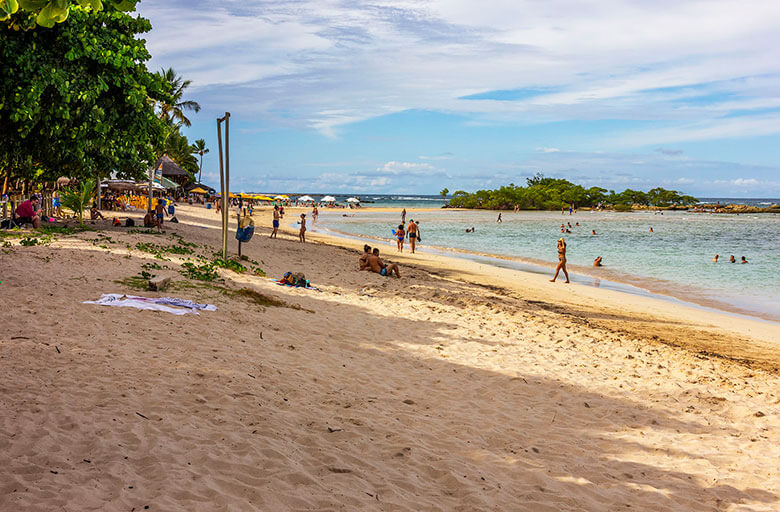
[715,259]
[597,262]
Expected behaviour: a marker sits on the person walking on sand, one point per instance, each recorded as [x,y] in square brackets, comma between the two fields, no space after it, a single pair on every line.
[411,232]
[159,211]
[403,216]
[276,222]
[561,261]
[302,232]
[400,234]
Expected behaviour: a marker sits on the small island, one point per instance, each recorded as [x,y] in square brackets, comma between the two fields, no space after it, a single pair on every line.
[544,193]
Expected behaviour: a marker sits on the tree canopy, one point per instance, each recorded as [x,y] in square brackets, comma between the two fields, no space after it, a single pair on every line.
[48,13]
[545,193]
[77,99]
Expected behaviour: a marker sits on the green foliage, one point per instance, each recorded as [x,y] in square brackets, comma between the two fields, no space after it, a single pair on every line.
[444,192]
[75,98]
[172,110]
[200,149]
[78,200]
[543,193]
[48,13]
[179,149]
[204,272]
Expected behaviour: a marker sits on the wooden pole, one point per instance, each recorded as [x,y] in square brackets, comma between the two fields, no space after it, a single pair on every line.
[222,187]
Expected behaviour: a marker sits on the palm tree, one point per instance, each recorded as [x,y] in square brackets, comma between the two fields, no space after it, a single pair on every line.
[199,148]
[175,110]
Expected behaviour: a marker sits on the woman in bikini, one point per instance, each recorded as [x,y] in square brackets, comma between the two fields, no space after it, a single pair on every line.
[561,261]
[400,234]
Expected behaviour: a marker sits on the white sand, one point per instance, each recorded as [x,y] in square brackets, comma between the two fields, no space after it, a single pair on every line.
[457,387]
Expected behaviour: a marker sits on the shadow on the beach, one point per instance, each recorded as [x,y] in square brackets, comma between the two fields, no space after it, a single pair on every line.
[559,446]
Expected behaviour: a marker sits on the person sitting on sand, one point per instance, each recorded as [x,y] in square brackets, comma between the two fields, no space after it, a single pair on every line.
[363,262]
[561,261]
[597,262]
[715,259]
[376,264]
[732,259]
[302,231]
[400,235]
[94,213]
[149,220]
[743,260]
[28,212]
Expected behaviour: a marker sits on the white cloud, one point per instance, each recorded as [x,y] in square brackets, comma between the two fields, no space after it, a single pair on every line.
[327,63]
[548,150]
[742,182]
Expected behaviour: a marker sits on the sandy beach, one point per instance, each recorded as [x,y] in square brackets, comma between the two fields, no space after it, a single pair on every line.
[459,387]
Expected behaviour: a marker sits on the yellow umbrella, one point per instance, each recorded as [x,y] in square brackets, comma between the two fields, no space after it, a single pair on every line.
[246,196]
[264,198]
[198,190]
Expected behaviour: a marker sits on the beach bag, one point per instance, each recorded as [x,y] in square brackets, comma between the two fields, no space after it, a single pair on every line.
[171,209]
[245,234]
[129,223]
[174,219]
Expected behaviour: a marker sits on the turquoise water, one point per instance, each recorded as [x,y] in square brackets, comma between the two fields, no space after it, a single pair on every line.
[675,260]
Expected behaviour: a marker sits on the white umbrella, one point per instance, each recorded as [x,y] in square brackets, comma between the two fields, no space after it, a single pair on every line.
[328,199]
[353,200]
[306,198]
[280,197]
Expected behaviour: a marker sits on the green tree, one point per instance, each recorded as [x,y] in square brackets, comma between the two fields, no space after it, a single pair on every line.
[47,13]
[78,200]
[199,148]
[75,99]
[173,110]
[179,149]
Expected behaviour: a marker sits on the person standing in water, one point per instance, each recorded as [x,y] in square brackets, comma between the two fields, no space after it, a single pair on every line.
[314,213]
[499,218]
[561,261]
[400,234]
[715,259]
[411,231]
[403,217]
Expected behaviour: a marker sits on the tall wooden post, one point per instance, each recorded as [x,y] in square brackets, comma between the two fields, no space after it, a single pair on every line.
[224,177]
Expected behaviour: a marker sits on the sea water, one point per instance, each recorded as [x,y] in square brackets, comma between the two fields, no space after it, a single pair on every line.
[675,259]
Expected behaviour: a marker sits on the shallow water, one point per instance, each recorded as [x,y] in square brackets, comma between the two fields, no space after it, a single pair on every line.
[676,259]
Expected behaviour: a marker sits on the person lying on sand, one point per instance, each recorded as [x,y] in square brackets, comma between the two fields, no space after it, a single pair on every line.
[377,265]
[363,262]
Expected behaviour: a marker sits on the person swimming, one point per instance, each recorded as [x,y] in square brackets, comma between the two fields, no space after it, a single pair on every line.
[597,262]
[743,260]
[715,259]
[592,231]
[732,259]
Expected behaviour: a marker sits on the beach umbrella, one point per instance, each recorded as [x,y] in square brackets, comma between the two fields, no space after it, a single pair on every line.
[306,198]
[281,197]
[198,190]
[353,200]
[328,199]
[242,195]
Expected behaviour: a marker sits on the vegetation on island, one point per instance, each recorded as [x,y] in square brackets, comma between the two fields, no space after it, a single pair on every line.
[543,193]
[77,99]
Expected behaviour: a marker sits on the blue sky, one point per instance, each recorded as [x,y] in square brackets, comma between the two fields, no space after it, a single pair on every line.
[412,96]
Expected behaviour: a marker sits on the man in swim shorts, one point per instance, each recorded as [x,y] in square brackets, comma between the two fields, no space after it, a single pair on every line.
[376,264]
[276,222]
[412,234]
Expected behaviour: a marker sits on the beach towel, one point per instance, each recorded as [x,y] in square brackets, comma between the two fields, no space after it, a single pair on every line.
[184,306]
